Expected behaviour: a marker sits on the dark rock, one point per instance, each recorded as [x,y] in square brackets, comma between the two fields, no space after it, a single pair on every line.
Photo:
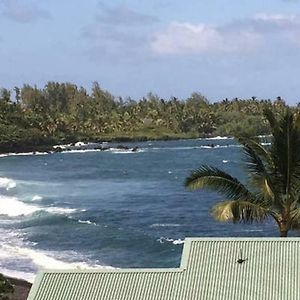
[58,149]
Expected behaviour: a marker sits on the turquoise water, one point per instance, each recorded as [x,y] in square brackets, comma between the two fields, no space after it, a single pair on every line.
[111,209]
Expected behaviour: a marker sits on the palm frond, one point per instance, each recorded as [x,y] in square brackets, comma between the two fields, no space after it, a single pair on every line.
[254,163]
[218,180]
[259,176]
[259,149]
[285,152]
[295,218]
[240,211]
[297,121]
[269,115]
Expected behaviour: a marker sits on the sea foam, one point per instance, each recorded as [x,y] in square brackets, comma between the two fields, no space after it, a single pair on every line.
[59,210]
[87,222]
[7,183]
[217,138]
[23,154]
[12,207]
[43,259]
[37,198]
[162,240]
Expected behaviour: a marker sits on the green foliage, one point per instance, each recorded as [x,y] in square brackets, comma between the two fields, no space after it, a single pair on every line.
[64,112]
[274,178]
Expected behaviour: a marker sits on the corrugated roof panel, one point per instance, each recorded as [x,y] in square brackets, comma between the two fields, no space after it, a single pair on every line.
[209,271]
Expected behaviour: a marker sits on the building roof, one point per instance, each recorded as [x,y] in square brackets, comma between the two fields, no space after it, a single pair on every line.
[268,268]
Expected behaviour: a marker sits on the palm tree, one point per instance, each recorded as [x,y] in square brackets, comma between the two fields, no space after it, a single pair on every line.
[273,189]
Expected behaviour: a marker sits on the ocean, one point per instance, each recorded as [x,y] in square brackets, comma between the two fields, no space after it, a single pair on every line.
[111,209]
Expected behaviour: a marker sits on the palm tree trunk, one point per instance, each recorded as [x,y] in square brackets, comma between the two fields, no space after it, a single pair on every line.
[283,233]
[283,228]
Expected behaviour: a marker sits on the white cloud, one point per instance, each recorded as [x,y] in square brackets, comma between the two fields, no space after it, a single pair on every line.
[190,38]
[262,30]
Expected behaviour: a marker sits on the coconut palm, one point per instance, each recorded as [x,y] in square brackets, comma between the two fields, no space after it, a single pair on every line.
[273,189]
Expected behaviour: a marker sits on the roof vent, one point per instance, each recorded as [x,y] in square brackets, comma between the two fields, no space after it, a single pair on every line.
[241,259]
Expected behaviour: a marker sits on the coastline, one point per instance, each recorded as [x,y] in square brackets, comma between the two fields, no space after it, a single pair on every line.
[56,147]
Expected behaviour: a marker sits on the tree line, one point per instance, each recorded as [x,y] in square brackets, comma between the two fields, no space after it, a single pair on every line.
[33,118]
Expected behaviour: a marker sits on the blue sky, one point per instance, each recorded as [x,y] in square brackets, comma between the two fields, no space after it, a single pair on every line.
[220,48]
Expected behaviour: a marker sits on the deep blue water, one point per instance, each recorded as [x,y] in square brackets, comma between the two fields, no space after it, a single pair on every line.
[119,209]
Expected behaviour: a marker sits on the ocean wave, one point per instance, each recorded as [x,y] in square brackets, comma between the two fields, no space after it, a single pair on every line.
[198,147]
[18,274]
[111,150]
[37,198]
[162,240]
[33,260]
[10,264]
[23,154]
[253,230]
[13,207]
[59,210]
[125,151]
[45,259]
[87,222]
[217,138]
[164,225]
[7,183]
[81,151]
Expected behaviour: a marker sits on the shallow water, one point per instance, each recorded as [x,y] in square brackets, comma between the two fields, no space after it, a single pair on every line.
[110,209]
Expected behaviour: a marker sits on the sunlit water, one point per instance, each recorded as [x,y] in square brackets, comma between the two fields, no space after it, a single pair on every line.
[111,209]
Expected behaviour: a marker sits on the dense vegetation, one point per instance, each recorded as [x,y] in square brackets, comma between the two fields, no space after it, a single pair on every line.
[31,117]
[5,288]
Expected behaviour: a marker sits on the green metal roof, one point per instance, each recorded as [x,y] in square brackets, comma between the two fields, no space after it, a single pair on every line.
[209,270]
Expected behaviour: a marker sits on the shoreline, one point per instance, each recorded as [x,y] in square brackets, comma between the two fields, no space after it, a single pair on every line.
[57,148]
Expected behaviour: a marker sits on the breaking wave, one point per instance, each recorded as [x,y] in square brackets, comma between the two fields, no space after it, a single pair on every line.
[45,259]
[217,138]
[37,198]
[23,154]
[87,222]
[30,260]
[163,240]
[7,183]
[12,207]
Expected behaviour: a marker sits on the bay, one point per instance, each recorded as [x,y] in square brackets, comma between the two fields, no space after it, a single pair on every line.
[91,209]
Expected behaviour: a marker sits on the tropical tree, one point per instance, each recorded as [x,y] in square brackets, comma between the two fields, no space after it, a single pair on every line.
[273,189]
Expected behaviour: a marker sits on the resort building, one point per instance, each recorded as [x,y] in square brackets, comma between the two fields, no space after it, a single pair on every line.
[211,269]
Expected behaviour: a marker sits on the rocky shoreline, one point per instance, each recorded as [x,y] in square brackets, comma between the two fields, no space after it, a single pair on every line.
[92,146]
[81,147]
[47,146]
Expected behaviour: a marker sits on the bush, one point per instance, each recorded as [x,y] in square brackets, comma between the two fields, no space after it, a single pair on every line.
[5,286]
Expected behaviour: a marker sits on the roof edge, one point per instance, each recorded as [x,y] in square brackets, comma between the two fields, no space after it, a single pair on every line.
[249,239]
